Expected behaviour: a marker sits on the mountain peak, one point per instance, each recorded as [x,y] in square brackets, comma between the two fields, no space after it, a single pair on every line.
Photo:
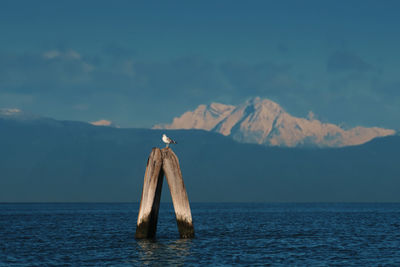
[203,117]
[259,102]
[263,107]
[103,122]
[263,121]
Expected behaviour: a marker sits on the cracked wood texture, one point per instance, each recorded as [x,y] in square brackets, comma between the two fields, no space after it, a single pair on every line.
[150,202]
[162,162]
[179,196]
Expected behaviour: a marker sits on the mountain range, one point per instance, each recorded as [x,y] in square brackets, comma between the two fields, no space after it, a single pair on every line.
[47,160]
[262,121]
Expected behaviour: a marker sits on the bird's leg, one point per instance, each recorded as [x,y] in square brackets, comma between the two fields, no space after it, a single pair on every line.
[167,145]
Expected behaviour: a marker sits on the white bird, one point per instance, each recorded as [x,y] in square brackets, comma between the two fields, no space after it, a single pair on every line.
[168,140]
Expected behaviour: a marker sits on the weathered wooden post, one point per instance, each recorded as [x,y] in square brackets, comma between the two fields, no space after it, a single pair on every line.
[160,162]
[150,202]
[178,193]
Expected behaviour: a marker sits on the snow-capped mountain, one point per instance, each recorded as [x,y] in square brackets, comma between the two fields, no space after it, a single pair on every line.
[103,122]
[263,121]
[204,117]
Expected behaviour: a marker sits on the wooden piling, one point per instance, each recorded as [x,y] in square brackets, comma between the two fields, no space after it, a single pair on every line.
[150,202]
[178,193]
[162,162]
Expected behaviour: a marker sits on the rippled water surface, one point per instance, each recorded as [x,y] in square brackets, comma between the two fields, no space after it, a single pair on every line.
[226,234]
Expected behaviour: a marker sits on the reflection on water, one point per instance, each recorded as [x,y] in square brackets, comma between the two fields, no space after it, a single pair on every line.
[173,252]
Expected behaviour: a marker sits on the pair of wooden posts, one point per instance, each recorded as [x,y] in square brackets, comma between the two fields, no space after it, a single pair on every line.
[160,162]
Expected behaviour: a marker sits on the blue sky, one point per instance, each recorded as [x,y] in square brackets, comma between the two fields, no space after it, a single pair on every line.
[141,63]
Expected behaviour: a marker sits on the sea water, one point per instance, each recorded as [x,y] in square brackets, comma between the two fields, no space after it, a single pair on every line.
[226,234]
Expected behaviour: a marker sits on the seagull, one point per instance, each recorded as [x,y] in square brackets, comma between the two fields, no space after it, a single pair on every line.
[168,140]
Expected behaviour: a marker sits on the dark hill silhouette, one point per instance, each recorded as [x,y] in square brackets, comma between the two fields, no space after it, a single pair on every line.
[49,160]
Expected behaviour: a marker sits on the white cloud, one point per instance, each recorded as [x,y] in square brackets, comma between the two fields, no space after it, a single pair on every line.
[51,54]
[9,111]
[73,54]
[70,54]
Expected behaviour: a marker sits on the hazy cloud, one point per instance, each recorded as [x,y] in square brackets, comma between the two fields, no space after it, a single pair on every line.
[71,54]
[116,63]
[113,83]
[47,71]
[346,61]
[262,79]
